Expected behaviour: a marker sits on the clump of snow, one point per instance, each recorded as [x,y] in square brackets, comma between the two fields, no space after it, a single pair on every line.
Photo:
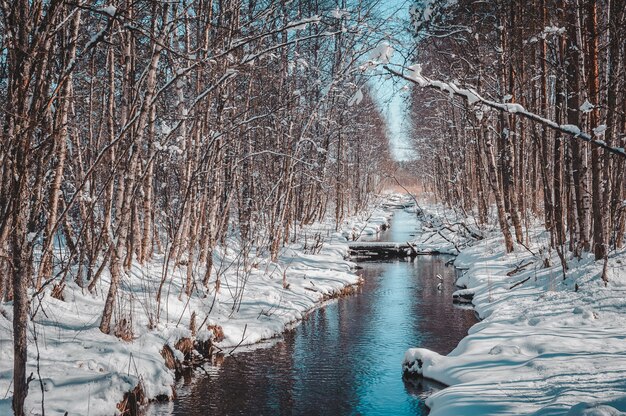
[463,295]
[586,107]
[514,108]
[571,128]
[552,30]
[356,98]
[414,72]
[304,23]
[110,10]
[338,14]
[599,131]
[421,361]
[382,53]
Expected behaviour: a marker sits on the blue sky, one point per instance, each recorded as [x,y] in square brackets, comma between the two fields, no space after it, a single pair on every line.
[389,94]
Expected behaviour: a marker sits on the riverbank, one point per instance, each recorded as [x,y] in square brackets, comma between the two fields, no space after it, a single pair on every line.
[549,342]
[243,305]
[342,359]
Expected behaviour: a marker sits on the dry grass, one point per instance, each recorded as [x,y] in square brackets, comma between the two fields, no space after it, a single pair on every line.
[218,332]
[124,329]
[130,404]
[192,324]
[185,345]
[168,356]
[345,291]
[57,291]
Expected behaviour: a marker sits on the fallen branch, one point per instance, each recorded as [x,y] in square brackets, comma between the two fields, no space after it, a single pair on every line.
[243,337]
[520,283]
[412,248]
[449,241]
[519,268]
[472,234]
[410,194]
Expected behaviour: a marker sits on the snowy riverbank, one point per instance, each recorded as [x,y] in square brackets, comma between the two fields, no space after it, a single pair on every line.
[83,371]
[546,345]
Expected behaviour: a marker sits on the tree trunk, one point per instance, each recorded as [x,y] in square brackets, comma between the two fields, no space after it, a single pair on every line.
[599,244]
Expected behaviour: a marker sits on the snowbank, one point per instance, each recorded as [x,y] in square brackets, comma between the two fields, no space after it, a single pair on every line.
[546,345]
[369,224]
[441,231]
[83,371]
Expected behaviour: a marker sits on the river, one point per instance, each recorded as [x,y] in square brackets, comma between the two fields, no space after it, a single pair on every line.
[345,357]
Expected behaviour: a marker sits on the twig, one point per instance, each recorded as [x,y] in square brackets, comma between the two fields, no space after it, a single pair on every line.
[240,342]
[519,268]
[43,394]
[520,283]
[413,250]
[449,241]
[410,194]
[527,248]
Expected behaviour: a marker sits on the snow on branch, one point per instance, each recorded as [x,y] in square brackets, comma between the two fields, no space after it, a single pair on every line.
[414,75]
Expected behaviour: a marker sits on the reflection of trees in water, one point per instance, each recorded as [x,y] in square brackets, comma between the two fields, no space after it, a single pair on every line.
[421,387]
[332,362]
[441,323]
[246,383]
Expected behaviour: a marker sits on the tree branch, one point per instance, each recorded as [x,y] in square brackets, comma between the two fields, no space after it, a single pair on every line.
[472,97]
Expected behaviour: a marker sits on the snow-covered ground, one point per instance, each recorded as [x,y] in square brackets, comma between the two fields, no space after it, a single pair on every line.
[85,372]
[545,346]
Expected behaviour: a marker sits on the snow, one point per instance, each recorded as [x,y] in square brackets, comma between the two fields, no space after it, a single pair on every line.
[414,72]
[356,98]
[382,53]
[338,14]
[360,226]
[552,30]
[599,131]
[76,357]
[571,128]
[514,108]
[303,24]
[110,10]
[545,345]
[587,107]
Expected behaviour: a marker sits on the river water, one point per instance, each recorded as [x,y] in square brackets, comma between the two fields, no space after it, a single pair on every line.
[344,358]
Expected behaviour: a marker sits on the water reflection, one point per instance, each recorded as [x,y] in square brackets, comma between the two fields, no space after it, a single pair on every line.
[344,359]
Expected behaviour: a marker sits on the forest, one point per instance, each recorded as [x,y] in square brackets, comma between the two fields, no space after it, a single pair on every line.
[538,127]
[155,133]
[142,127]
